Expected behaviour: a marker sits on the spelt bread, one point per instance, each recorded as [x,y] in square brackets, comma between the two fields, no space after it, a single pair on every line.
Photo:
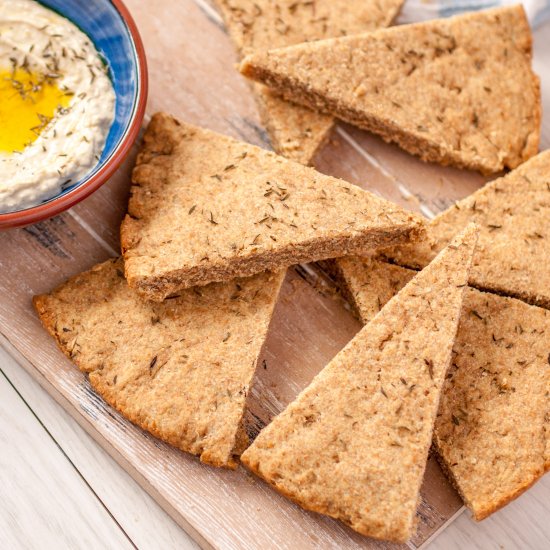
[367,283]
[457,91]
[491,430]
[181,369]
[513,216]
[296,132]
[354,444]
[206,208]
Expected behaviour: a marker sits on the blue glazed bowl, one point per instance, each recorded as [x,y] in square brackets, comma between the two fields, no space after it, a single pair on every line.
[110,26]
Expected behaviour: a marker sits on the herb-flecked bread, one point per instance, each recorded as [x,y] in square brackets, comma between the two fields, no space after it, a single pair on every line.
[181,369]
[207,208]
[296,132]
[491,432]
[354,444]
[513,251]
[457,91]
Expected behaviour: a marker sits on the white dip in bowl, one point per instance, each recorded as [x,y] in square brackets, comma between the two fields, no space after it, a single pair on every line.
[57,104]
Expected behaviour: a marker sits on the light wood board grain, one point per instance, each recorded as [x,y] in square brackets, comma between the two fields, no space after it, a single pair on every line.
[522,525]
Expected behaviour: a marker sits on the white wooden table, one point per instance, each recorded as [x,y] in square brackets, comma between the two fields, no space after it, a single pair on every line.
[59,489]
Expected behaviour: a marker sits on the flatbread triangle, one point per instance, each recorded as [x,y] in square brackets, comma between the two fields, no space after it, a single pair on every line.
[181,369]
[354,444]
[297,132]
[207,208]
[456,91]
[492,433]
[512,214]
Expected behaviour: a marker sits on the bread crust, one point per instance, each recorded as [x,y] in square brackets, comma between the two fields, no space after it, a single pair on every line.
[375,78]
[354,444]
[180,370]
[297,132]
[499,364]
[206,208]
[512,214]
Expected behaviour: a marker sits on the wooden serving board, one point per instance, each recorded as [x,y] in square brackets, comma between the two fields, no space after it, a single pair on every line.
[192,76]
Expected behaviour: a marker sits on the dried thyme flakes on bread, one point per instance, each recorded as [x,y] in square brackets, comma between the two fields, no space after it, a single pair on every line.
[205,208]
[456,91]
[492,432]
[354,444]
[513,251]
[181,369]
[296,132]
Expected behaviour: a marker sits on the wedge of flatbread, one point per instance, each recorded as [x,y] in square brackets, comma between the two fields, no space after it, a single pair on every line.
[354,444]
[181,369]
[457,91]
[207,208]
[513,251]
[296,132]
[492,431]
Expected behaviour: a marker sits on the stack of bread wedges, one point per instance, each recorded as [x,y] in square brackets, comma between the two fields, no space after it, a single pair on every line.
[171,333]
[456,91]
[454,355]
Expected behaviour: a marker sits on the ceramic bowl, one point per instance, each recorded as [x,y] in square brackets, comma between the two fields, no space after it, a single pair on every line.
[111,28]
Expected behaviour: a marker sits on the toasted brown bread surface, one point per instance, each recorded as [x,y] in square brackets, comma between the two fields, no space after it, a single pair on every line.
[512,214]
[354,444]
[207,208]
[181,369]
[296,132]
[457,91]
[491,432]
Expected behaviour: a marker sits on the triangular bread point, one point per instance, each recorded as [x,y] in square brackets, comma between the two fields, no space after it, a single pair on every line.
[354,444]
[457,91]
[297,132]
[512,214]
[207,208]
[492,432]
[181,369]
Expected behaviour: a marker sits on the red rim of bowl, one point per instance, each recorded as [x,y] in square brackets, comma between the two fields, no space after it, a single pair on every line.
[60,204]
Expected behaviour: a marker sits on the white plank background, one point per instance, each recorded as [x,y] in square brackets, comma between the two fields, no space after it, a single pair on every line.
[59,489]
